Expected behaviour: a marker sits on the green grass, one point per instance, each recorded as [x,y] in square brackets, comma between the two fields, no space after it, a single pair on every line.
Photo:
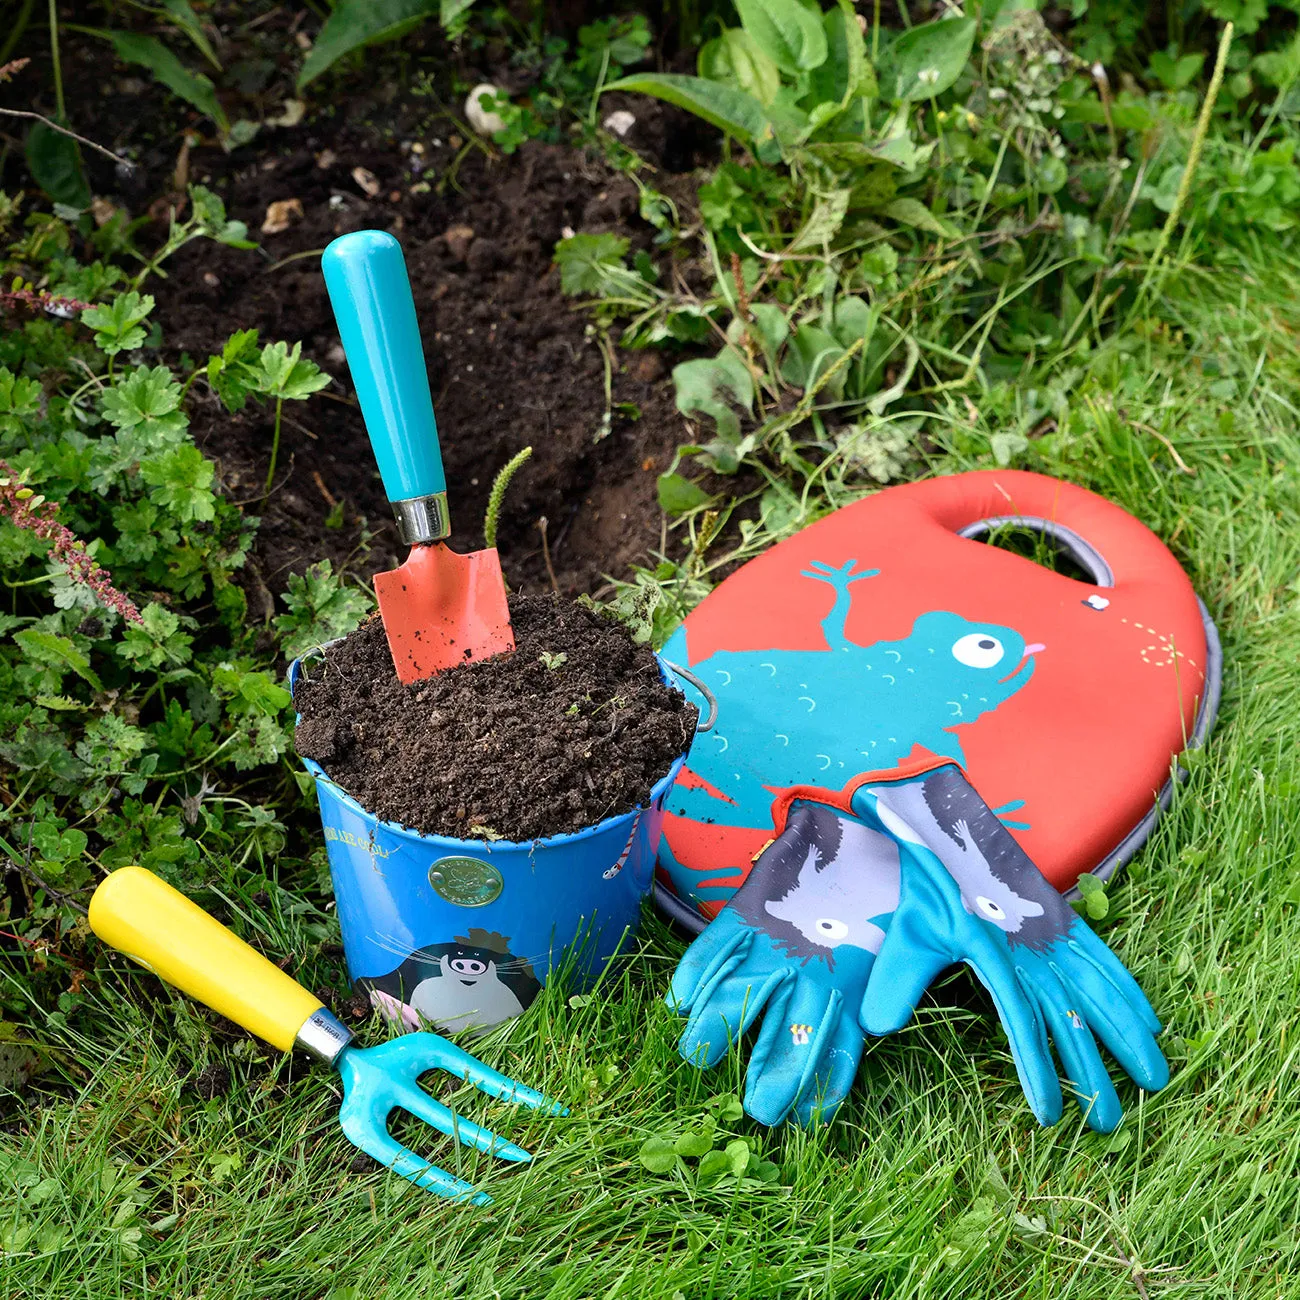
[117,1179]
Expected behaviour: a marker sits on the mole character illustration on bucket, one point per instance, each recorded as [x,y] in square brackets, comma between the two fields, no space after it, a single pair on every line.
[472,983]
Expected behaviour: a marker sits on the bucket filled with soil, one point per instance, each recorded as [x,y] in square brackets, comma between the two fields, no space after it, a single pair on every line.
[494,820]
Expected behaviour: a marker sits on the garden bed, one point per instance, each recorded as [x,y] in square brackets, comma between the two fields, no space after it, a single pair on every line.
[512,362]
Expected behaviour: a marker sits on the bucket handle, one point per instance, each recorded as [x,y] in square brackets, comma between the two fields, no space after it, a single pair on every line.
[687,675]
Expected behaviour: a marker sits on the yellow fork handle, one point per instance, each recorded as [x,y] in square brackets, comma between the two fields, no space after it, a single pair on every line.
[145,918]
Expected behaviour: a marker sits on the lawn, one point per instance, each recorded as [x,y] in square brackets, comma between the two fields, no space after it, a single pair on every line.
[155,1150]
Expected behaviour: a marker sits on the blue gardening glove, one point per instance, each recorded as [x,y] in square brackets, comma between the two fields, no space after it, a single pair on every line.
[795,945]
[969,893]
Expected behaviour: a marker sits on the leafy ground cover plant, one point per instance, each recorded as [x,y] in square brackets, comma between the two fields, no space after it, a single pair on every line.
[941,211]
[134,694]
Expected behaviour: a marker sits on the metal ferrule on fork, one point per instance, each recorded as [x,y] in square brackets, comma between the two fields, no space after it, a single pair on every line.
[421,520]
[324,1036]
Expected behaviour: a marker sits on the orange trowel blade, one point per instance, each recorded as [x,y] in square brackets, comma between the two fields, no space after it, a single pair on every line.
[441,609]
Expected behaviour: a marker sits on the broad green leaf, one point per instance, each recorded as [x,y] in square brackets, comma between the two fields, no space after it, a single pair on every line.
[1176,72]
[321,608]
[912,212]
[736,59]
[209,214]
[187,20]
[250,694]
[677,495]
[20,396]
[811,353]
[847,72]
[60,703]
[790,35]
[55,164]
[657,1155]
[1093,892]
[119,326]
[895,144]
[181,480]
[358,23]
[451,11]
[146,398]
[790,125]
[715,1165]
[193,87]
[733,111]
[737,1153]
[925,61]
[1050,174]
[820,114]
[155,640]
[823,223]
[695,1142]
[780,510]
[874,185]
[54,651]
[727,1106]
[58,846]
[283,373]
[715,386]
[589,263]
[853,319]
[1007,446]
[771,326]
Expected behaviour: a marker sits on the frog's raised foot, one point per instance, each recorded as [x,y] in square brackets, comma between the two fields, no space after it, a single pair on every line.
[840,578]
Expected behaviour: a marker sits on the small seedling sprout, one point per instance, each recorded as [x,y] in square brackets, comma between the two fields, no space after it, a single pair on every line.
[497,495]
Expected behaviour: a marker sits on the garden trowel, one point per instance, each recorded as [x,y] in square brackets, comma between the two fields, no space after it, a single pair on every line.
[439,609]
[145,918]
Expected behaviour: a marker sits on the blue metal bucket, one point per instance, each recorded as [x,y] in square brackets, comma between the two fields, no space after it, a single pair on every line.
[463,933]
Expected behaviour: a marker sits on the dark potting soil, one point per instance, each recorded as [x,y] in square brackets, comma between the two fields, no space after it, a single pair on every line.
[575,726]
[511,362]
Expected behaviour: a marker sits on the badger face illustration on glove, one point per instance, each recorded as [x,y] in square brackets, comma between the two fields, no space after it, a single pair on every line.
[998,881]
[831,899]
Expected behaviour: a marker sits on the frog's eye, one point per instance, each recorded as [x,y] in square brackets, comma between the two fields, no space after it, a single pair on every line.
[977,650]
[829,928]
[990,910]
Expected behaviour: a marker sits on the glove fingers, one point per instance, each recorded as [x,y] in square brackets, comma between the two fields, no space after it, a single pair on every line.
[1086,945]
[1112,1017]
[715,953]
[725,1010]
[1018,1012]
[820,1100]
[790,1045]
[1076,1047]
[904,968]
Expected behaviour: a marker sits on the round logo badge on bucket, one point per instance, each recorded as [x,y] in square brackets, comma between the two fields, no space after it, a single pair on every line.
[466,882]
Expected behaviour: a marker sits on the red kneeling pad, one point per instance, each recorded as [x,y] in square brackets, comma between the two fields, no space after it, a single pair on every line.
[1065,700]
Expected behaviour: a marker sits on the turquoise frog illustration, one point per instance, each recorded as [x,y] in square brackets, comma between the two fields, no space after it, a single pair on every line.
[820,717]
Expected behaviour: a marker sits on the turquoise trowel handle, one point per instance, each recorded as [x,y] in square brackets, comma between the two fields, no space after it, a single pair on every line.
[365,274]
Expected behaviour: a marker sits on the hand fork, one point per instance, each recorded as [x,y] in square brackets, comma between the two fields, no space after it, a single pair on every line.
[145,918]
